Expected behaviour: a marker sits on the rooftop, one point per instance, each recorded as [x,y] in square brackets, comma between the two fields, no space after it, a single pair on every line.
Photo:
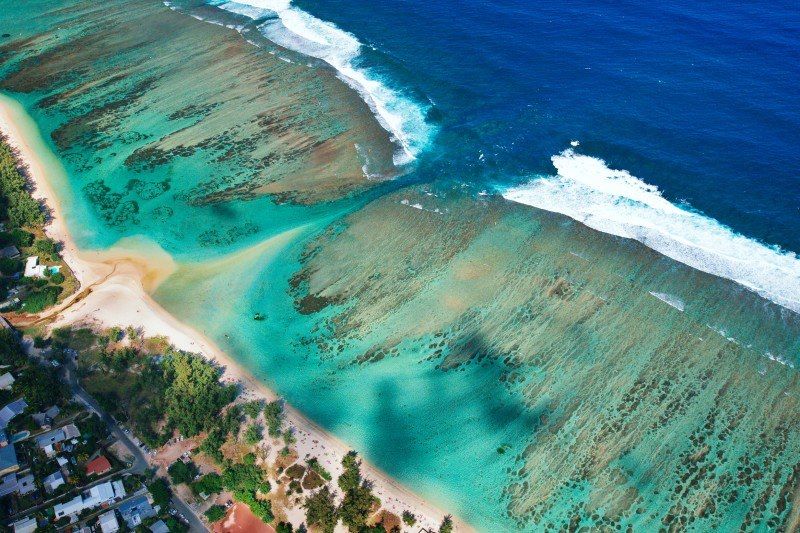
[8,458]
[108,522]
[9,252]
[6,380]
[10,411]
[26,525]
[97,466]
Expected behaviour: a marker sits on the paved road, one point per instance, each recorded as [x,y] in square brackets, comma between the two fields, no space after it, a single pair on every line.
[140,464]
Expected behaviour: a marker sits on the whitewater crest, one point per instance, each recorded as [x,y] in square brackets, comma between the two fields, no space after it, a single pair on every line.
[294,29]
[616,202]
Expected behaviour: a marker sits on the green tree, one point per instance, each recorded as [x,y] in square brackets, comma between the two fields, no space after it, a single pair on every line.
[357,506]
[351,475]
[181,472]
[174,525]
[195,396]
[10,266]
[21,238]
[215,513]
[161,493]
[409,518]
[320,510]
[11,352]
[447,525]
[41,388]
[284,527]
[39,300]
[253,434]
[24,210]
[212,444]
[253,409]
[273,414]
[211,483]
[46,248]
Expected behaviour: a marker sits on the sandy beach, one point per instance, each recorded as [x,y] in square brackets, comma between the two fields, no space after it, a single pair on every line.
[114,291]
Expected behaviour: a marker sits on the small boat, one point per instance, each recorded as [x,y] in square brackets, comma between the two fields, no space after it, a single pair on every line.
[259,316]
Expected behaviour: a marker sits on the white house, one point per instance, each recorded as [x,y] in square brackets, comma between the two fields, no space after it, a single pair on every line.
[108,522]
[72,507]
[6,381]
[34,270]
[32,267]
[26,525]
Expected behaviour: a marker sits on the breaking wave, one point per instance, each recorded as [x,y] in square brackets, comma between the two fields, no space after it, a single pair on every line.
[294,29]
[613,201]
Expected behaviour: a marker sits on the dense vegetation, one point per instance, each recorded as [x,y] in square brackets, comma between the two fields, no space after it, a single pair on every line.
[215,513]
[147,384]
[22,221]
[38,384]
[16,204]
[180,472]
[160,392]
[321,510]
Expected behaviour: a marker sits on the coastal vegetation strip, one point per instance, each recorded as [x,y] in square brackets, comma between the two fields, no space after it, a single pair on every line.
[33,274]
[62,466]
[169,398]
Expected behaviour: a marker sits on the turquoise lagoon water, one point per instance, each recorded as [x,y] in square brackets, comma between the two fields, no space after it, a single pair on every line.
[524,371]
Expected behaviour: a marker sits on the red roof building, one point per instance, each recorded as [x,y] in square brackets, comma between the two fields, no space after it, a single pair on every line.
[98,466]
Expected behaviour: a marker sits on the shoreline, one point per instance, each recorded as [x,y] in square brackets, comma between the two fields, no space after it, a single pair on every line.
[117,283]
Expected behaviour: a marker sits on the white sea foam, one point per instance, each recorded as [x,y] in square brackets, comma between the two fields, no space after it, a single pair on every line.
[614,201]
[293,28]
[670,300]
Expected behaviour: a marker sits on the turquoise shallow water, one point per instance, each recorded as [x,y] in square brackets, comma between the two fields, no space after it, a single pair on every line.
[522,370]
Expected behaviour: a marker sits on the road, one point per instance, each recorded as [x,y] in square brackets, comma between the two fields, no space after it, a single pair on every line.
[140,464]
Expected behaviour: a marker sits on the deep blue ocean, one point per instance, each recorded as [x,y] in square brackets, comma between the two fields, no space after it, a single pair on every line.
[698,99]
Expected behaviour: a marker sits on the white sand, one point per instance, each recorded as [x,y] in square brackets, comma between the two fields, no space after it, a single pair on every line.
[114,288]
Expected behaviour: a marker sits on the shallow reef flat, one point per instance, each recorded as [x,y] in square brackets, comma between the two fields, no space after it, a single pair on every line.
[512,365]
[636,413]
[151,109]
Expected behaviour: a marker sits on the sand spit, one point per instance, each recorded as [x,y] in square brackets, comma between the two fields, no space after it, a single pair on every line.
[115,288]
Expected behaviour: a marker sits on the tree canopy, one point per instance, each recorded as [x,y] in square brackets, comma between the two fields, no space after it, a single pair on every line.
[321,511]
[195,395]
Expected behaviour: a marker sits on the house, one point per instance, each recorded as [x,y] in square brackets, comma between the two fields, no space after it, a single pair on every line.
[10,411]
[49,442]
[98,466]
[33,269]
[159,527]
[26,525]
[62,462]
[71,431]
[53,481]
[98,495]
[8,484]
[26,485]
[9,252]
[22,486]
[136,510]
[4,323]
[6,381]
[72,507]
[8,460]
[45,420]
[103,493]
[108,522]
